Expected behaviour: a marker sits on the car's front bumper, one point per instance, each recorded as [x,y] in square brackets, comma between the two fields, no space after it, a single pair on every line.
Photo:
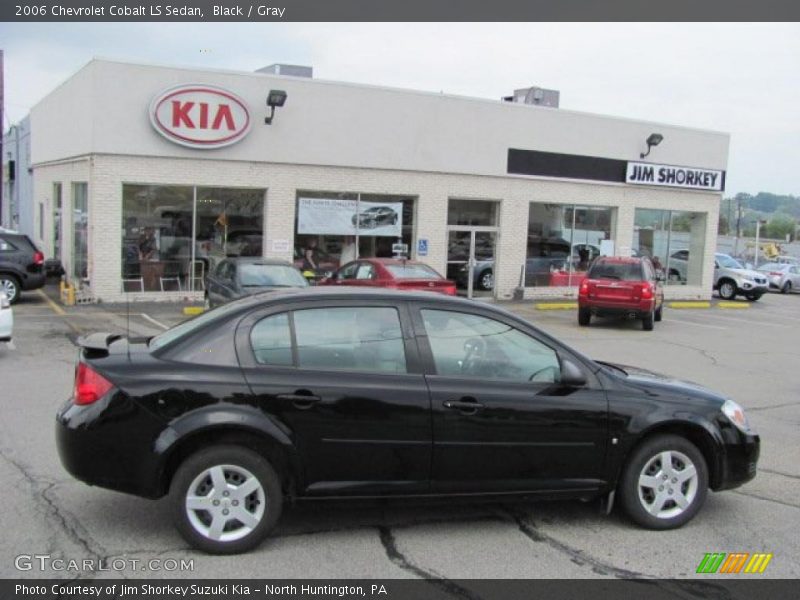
[738,463]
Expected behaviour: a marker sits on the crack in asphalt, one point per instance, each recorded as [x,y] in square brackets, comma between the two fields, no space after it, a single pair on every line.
[690,590]
[765,499]
[703,353]
[781,473]
[48,507]
[399,559]
[784,405]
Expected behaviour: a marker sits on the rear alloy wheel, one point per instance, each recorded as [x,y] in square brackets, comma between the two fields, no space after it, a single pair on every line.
[486,280]
[787,287]
[584,316]
[665,483]
[727,290]
[10,285]
[225,499]
[647,321]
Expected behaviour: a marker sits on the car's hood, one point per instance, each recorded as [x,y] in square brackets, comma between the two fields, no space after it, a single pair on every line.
[746,273]
[659,383]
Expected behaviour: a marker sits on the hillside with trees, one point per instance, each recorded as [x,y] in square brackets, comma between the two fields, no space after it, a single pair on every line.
[782,213]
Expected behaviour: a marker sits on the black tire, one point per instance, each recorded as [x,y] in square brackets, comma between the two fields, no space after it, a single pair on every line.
[584,316]
[647,321]
[11,285]
[659,314]
[633,496]
[486,280]
[787,287]
[727,289]
[753,297]
[233,458]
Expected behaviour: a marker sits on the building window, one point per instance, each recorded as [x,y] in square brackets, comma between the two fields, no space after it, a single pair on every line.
[57,221]
[172,235]
[334,228]
[674,240]
[80,231]
[563,240]
[476,213]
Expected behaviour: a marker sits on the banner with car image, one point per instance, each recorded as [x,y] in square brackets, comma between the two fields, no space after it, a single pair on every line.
[329,216]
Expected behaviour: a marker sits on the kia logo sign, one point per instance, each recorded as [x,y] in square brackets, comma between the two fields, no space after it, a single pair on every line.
[200,116]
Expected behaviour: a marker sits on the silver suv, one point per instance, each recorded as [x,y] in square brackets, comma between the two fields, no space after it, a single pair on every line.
[731,279]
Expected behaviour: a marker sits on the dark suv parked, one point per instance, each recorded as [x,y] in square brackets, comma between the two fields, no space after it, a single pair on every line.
[333,392]
[21,264]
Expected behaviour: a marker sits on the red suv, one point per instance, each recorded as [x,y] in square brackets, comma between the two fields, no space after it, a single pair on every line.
[618,286]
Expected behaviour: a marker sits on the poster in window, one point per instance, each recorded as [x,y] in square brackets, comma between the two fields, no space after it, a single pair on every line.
[323,216]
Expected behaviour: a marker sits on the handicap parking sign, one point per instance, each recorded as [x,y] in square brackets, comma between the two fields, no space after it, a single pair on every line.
[422,247]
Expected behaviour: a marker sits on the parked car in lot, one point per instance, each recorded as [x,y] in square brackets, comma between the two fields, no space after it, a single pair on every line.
[239,277]
[333,392]
[731,279]
[621,286]
[21,265]
[395,273]
[784,277]
[6,318]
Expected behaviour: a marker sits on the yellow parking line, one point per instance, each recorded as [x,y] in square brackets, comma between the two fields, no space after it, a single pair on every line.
[556,305]
[732,305]
[689,304]
[56,308]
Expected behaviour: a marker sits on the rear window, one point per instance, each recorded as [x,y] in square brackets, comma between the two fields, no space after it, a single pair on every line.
[192,325]
[261,275]
[627,271]
[412,272]
[6,246]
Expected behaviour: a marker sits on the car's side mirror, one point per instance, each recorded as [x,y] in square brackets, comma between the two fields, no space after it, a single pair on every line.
[571,374]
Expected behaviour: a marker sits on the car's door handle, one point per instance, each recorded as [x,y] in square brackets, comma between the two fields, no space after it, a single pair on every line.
[301,401]
[467,406]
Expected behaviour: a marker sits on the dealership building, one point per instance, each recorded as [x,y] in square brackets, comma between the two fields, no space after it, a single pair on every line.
[146,177]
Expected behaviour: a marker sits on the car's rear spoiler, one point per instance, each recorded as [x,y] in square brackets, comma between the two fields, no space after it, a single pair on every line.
[96,344]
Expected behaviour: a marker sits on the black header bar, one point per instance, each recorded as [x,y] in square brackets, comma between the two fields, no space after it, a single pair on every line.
[397,10]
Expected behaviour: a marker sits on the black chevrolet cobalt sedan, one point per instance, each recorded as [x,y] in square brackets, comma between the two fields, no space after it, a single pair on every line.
[354,393]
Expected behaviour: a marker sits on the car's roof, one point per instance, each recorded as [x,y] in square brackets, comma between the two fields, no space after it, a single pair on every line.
[393,261]
[620,259]
[259,260]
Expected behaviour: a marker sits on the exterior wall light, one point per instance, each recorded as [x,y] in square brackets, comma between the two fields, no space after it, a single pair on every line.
[275,98]
[654,139]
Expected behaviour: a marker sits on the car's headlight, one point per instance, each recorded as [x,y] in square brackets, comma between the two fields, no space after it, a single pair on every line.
[735,414]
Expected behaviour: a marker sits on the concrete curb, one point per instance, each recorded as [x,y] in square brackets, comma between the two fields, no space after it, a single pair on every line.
[193,310]
[556,305]
[689,304]
[732,305]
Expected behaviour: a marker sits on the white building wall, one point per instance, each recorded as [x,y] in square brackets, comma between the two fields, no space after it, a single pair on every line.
[432,191]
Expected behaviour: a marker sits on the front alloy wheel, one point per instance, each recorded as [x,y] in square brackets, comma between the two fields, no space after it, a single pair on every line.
[727,290]
[664,482]
[486,280]
[225,499]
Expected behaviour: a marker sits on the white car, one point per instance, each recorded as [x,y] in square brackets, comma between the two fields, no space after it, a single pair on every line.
[731,279]
[783,277]
[6,318]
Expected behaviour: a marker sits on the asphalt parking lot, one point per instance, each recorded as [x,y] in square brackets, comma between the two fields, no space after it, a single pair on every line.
[751,355]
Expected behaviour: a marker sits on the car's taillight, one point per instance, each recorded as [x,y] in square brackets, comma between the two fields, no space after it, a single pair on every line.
[38,258]
[647,291]
[584,289]
[775,273]
[450,290]
[90,386]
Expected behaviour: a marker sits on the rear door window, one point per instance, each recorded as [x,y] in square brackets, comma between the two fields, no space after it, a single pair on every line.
[271,340]
[6,246]
[350,338]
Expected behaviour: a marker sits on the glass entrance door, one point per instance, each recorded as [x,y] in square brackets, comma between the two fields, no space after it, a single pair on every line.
[470,261]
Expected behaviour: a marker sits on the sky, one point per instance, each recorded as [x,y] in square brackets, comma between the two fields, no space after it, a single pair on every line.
[739,78]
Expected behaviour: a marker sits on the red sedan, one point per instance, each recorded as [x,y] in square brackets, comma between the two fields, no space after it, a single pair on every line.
[391,273]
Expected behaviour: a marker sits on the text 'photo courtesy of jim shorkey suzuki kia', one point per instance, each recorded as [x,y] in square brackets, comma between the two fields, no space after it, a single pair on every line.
[341,392]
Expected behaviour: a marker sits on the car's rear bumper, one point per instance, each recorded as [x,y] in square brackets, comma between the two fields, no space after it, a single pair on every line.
[609,308]
[33,281]
[115,455]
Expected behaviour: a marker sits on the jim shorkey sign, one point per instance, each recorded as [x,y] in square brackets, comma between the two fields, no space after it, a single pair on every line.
[672,176]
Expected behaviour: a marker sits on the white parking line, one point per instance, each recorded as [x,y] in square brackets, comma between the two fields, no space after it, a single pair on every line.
[756,322]
[153,321]
[671,319]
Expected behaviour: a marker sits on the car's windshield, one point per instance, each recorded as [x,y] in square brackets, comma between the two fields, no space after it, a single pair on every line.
[263,275]
[191,325]
[412,272]
[624,271]
[727,262]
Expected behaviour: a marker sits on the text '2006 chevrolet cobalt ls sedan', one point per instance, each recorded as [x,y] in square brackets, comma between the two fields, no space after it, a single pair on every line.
[342,392]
